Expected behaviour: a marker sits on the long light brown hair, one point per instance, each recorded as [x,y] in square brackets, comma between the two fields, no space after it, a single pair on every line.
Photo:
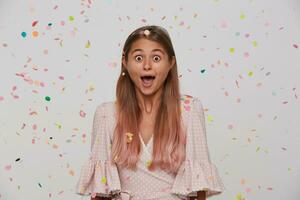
[169,137]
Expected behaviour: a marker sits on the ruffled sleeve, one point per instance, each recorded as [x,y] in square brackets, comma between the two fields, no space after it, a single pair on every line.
[197,172]
[98,175]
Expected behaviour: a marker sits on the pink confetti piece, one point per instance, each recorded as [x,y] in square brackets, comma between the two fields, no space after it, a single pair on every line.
[230,126]
[1,98]
[82,113]
[61,77]
[60,192]
[295,46]
[7,167]
[224,24]
[93,194]
[34,23]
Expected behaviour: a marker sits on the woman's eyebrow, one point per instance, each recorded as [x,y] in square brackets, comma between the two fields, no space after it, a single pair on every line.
[152,50]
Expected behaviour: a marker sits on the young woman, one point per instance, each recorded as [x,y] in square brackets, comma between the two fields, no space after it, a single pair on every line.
[151,142]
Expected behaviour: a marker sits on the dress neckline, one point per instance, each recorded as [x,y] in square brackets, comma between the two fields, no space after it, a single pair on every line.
[142,141]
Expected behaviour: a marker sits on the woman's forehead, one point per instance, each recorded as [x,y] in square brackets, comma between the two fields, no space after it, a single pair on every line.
[145,45]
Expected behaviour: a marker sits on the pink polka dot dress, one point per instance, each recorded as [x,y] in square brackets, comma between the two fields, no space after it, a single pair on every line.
[101,178]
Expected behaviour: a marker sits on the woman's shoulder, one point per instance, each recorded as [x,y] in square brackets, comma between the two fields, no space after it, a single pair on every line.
[106,108]
[187,102]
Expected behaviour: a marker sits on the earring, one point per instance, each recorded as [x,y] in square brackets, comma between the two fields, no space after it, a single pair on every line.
[123,73]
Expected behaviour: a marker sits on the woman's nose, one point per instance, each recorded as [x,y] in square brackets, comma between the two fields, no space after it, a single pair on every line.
[147,64]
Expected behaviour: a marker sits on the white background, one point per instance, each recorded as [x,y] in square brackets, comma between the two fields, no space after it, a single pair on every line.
[252,121]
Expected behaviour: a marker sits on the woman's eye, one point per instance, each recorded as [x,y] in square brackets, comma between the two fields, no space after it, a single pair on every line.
[157,58]
[138,57]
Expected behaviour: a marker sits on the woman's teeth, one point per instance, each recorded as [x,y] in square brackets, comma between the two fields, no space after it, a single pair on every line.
[147,80]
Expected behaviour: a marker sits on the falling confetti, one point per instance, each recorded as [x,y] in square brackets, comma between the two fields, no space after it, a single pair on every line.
[88,44]
[71,18]
[23,34]
[242,16]
[35,33]
[103,180]
[7,167]
[47,98]
[34,23]
[82,113]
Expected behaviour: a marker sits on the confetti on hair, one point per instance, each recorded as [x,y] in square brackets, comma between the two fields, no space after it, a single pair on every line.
[129,137]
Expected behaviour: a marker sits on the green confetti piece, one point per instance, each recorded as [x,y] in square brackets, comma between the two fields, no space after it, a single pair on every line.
[23,34]
[71,18]
[47,98]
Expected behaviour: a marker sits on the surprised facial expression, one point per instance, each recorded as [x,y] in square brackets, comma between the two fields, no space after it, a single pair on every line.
[148,65]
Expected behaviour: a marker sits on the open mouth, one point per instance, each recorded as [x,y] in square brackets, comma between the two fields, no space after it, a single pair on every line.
[147,80]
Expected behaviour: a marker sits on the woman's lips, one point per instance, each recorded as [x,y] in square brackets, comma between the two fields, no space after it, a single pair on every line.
[147,81]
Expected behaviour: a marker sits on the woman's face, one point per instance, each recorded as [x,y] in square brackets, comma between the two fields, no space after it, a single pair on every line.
[147,58]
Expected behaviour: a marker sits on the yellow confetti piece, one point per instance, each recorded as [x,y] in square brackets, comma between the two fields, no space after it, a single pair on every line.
[88,44]
[129,137]
[58,125]
[103,180]
[257,149]
[231,50]
[148,163]
[254,43]
[210,118]
[242,16]
[250,73]
[239,197]
[71,18]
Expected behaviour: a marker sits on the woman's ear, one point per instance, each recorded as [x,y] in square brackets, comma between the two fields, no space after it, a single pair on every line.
[173,61]
[124,60]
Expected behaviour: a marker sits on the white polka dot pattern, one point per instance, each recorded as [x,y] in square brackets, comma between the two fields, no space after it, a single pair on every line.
[100,177]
